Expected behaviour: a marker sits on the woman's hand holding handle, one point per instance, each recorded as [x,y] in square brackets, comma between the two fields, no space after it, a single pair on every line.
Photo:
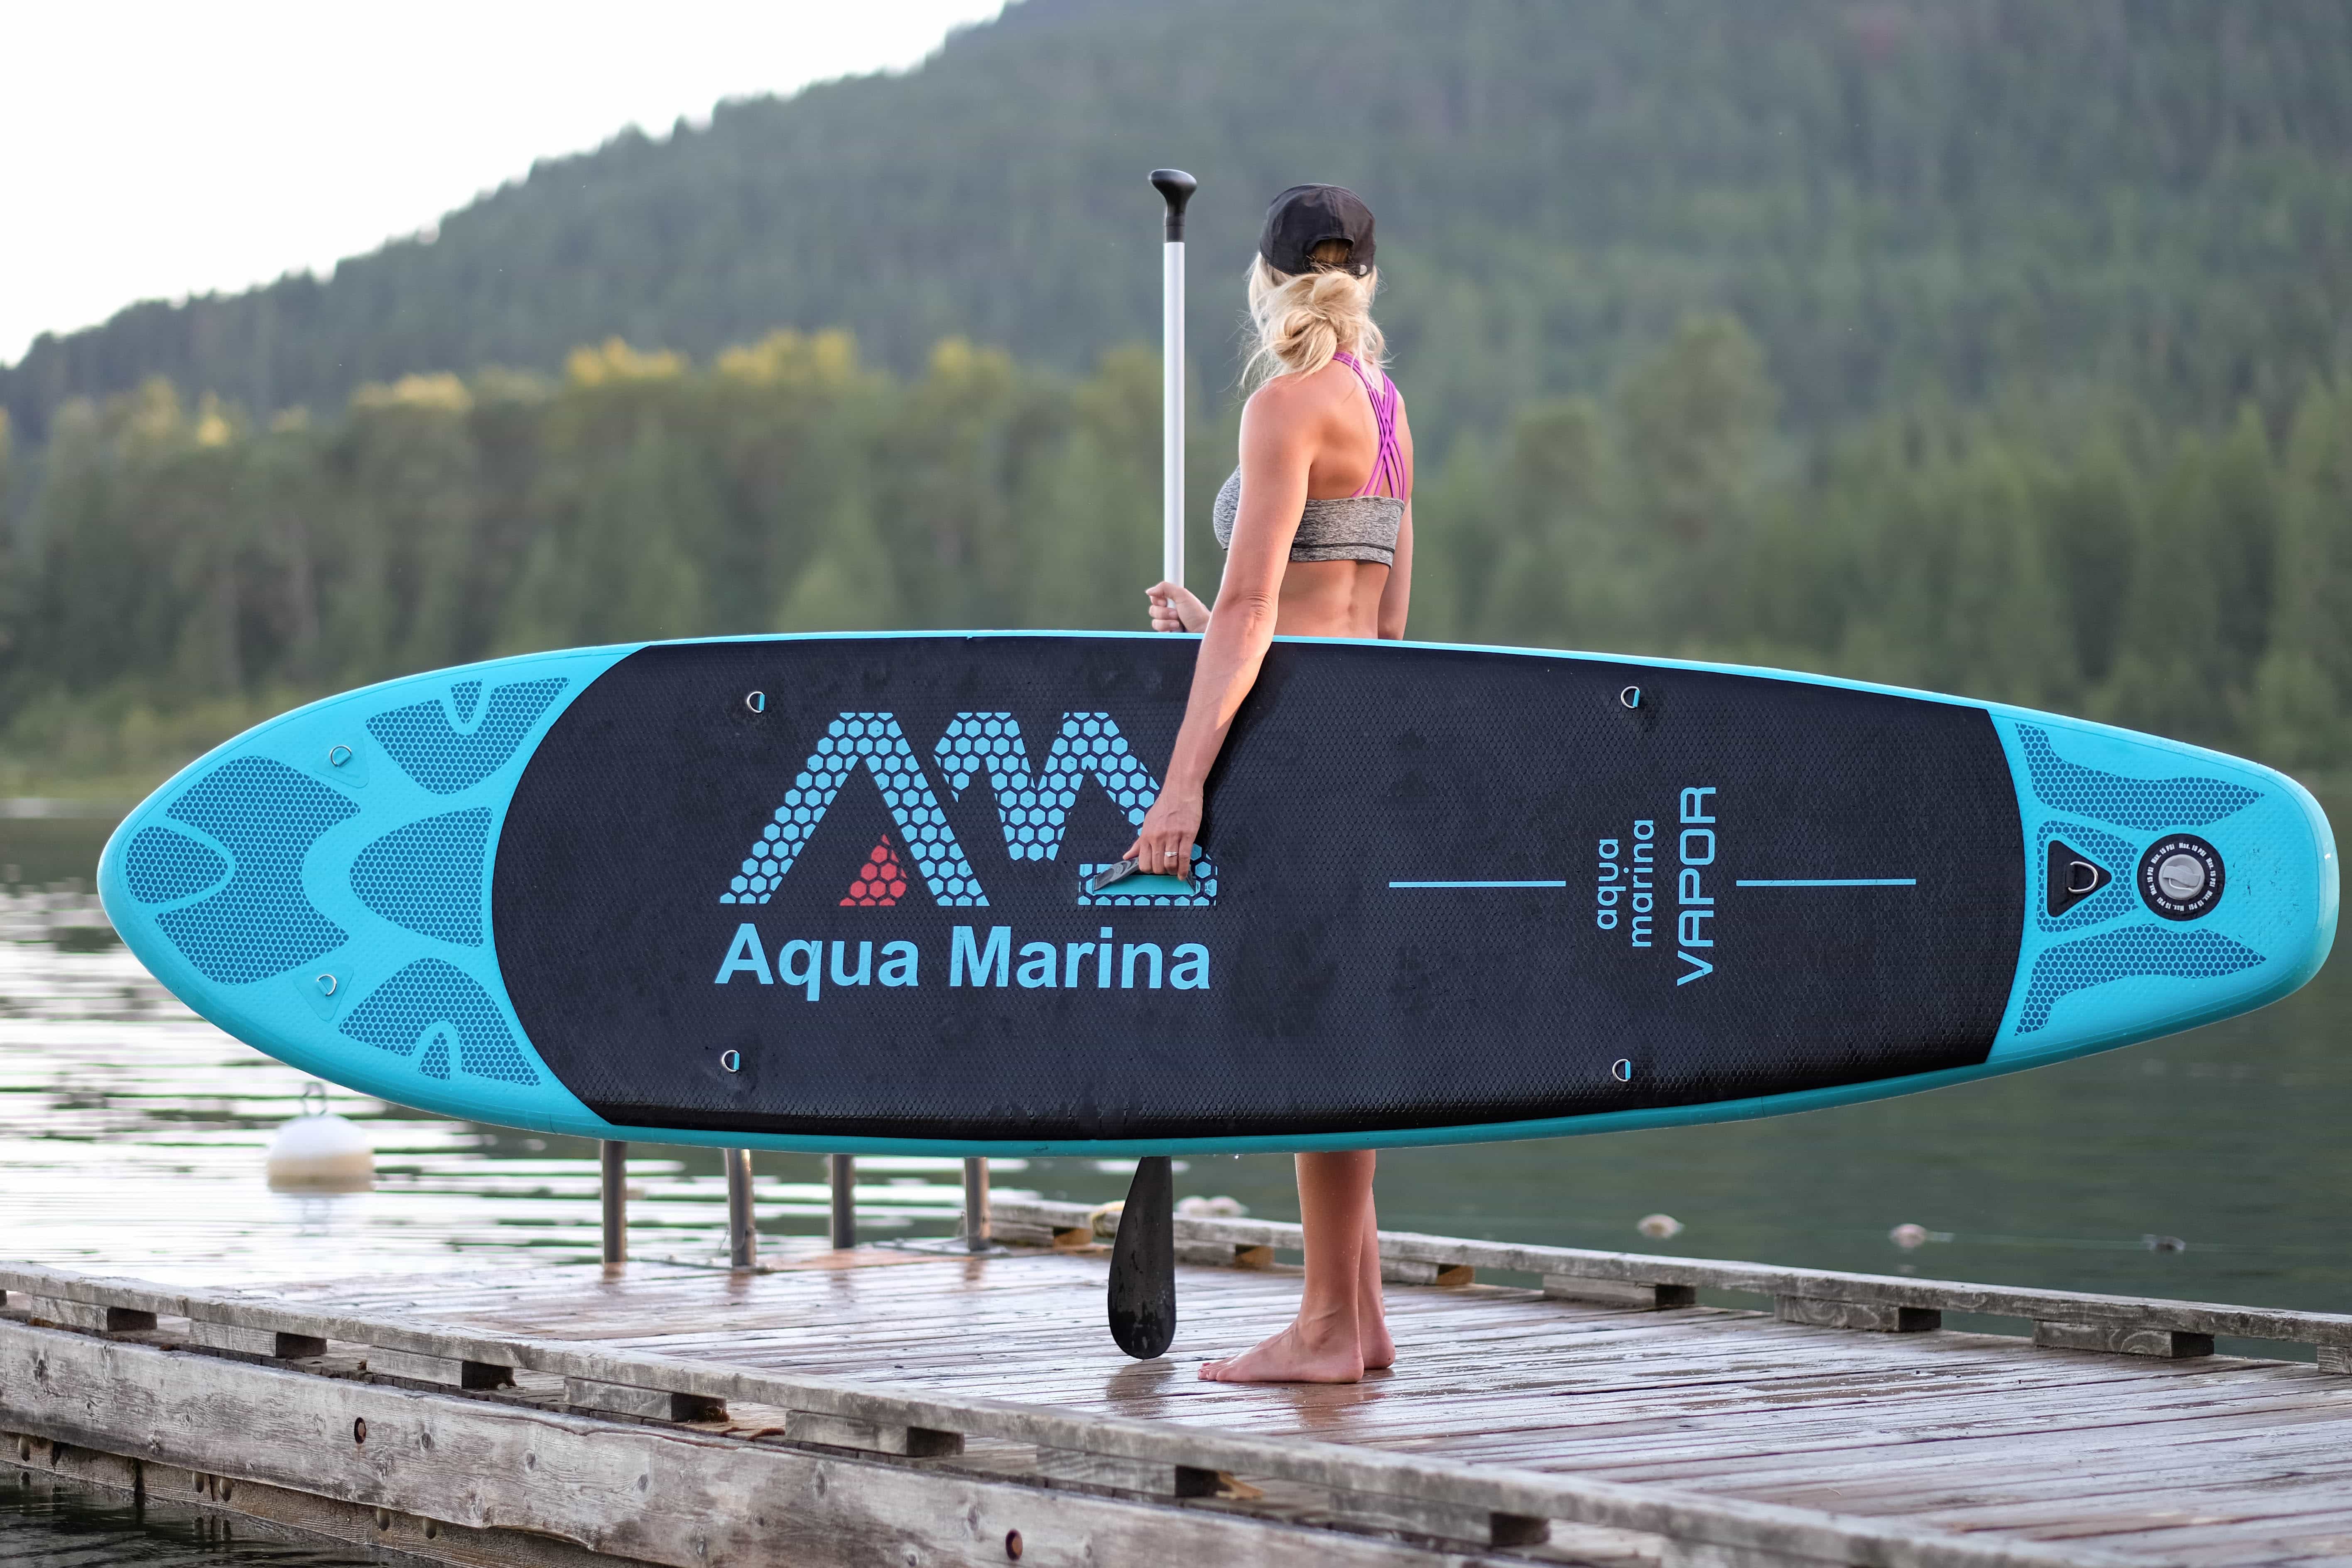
[1163,847]
[1176,608]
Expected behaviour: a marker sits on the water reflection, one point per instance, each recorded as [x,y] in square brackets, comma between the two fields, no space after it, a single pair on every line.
[45,1523]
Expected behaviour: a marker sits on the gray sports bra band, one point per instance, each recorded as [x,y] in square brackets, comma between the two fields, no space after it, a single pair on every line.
[1345,528]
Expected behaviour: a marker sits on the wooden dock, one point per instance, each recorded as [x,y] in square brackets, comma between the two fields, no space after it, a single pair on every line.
[913,1406]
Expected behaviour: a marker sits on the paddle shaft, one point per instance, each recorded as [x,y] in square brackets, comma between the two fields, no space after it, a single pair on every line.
[1176,188]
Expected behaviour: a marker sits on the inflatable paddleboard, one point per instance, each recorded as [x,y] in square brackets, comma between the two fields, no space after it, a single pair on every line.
[831,893]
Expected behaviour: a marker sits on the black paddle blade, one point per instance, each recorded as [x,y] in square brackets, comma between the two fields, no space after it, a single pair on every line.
[1143,1263]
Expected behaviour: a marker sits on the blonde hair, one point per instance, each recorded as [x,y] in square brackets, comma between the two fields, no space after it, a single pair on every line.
[1302,319]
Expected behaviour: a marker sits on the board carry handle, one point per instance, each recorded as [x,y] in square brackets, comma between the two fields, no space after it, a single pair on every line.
[1175,187]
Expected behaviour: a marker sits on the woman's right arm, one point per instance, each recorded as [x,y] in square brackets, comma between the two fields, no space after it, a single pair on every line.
[1276,448]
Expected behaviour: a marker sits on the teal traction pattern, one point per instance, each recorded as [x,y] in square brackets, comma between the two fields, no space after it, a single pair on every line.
[875,740]
[2146,803]
[164,867]
[268,816]
[430,750]
[427,877]
[408,1007]
[2140,950]
[1034,811]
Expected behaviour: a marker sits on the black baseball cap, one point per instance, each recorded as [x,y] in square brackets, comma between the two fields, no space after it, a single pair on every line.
[1304,217]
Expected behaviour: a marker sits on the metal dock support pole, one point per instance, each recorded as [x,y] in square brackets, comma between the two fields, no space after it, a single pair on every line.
[612,1163]
[842,1171]
[975,1204]
[742,1241]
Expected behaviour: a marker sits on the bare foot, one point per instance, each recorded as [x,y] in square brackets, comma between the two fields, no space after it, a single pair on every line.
[1373,1326]
[1294,1355]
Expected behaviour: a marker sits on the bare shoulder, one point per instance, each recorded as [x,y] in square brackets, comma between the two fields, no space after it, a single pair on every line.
[1301,400]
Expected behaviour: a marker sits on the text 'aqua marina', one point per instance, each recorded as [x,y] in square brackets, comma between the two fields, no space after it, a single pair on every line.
[1626,890]
[1105,964]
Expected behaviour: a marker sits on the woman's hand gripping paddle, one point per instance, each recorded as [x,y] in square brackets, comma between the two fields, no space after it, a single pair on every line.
[1143,1258]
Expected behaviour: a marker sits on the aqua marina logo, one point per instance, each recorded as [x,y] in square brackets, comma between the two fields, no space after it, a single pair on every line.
[1033,806]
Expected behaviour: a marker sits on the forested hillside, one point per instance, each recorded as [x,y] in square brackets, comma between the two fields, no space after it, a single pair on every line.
[2001,347]
[183,570]
[1894,196]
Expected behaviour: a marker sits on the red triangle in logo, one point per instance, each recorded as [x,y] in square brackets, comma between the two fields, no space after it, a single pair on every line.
[881,881]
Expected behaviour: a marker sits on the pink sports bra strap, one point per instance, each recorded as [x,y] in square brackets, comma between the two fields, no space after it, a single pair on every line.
[1387,466]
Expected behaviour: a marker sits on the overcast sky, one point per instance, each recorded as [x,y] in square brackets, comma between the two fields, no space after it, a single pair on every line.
[153,151]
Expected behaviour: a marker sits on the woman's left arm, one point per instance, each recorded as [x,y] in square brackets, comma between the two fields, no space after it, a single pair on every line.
[1278,446]
[1396,596]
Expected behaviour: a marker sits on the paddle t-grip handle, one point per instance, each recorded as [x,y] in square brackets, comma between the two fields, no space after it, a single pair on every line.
[1175,187]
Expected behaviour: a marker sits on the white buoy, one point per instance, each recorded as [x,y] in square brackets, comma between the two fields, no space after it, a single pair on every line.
[319,1151]
[1909,1237]
[1659,1226]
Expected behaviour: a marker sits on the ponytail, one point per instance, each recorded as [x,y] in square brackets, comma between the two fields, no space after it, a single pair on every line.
[1302,319]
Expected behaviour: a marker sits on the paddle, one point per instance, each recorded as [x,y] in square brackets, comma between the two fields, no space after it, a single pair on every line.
[1143,1262]
[1143,1258]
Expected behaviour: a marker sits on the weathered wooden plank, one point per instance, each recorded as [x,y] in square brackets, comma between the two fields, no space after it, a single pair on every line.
[2335,1359]
[1151,1479]
[870,1436]
[68,1314]
[451,1372]
[255,1341]
[1876,1317]
[654,1495]
[2122,1339]
[1624,1293]
[1442,1522]
[650,1404]
[1408,1271]
[1768,1279]
[1224,1254]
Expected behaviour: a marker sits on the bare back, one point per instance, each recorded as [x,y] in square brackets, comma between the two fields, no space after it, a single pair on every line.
[1314,437]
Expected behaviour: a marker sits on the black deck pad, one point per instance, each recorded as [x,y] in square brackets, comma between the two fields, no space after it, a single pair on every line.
[1320,998]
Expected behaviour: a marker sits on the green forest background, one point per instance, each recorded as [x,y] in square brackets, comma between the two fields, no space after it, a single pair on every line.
[2001,347]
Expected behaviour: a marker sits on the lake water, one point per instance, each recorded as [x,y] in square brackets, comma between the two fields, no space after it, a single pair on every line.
[132,1136]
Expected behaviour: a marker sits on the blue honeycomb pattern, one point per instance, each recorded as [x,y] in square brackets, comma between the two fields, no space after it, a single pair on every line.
[2111,852]
[2145,804]
[427,877]
[267,815]
[2135,949]
[875,740]
[430,998]
[462,697]
[431,750]
[161,865]
[1204,884]
[1034,812]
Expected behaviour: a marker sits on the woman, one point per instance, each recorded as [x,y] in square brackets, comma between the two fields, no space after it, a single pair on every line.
[1318,527]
